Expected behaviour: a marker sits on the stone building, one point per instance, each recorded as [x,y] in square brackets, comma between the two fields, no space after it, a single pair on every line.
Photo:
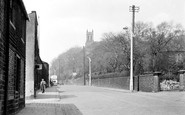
[36,69]
[89,38]
[13,17]
[32,52]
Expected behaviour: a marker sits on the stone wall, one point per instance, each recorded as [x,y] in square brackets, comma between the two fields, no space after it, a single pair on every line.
[116,82]
[146,83]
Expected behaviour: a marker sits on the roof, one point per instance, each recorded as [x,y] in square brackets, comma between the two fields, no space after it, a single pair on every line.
[35,14]
[24,9]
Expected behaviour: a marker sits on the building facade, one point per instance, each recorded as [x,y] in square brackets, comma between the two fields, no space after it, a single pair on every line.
[36,69]
[31,52]
[13,17]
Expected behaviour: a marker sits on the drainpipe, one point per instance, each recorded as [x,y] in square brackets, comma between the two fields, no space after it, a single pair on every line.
[7,8]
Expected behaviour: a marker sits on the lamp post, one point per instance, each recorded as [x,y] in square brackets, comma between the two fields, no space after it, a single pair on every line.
[89,71]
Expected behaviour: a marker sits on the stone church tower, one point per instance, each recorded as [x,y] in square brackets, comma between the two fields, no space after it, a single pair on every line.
[89,38]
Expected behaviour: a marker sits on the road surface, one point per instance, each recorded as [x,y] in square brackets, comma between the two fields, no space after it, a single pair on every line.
[86,100]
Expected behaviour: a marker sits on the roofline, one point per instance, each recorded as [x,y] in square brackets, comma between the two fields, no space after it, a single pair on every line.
[173,51]
[36,17]
[24,9]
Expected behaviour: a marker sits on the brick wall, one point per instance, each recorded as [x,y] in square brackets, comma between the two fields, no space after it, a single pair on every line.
[116,82]
[2,53]
[16,71]
[146,83]
[78,81]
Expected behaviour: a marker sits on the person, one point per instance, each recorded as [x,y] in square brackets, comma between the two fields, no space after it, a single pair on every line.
[42,85]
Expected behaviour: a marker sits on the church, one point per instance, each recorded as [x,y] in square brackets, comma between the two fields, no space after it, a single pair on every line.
[89,38]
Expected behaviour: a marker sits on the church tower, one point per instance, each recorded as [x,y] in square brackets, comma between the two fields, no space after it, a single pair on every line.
[89,38]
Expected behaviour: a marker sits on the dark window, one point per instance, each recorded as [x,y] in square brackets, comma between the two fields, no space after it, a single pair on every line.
[12,12]
[23,28]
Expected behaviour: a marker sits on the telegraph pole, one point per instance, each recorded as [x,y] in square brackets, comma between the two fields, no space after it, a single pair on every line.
[58,70]
[132,9]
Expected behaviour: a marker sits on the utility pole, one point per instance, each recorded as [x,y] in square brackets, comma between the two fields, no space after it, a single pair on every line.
[58,70]
[132,9]
[84,63]
[90,77]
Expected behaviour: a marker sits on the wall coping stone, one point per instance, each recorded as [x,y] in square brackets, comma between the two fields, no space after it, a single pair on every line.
[181,71]
[157,73]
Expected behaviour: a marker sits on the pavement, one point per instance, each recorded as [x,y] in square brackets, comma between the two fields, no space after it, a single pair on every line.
[89,100]
[48,103]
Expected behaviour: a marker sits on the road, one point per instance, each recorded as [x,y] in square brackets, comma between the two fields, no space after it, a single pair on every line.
[86,100]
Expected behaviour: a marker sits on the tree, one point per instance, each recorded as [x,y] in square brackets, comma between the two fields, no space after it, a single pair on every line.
[115,52]
[112,54]
[68,63]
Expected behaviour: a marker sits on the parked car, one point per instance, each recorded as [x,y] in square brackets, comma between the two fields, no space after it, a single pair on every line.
[54,82]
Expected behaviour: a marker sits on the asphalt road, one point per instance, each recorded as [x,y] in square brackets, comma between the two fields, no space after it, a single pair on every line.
[100,101]
[85,100]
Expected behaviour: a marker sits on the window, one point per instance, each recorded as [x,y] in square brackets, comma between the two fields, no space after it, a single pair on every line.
[12,13]
[23,31]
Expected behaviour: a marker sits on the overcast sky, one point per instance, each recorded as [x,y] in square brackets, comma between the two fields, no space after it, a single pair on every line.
[63,23]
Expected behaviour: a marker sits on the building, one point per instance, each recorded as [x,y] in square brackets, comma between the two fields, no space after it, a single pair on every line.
[13,17]
[89,38]
[36,69]
[32,52]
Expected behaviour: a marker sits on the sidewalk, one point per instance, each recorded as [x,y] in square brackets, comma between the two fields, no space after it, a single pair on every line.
[48,103]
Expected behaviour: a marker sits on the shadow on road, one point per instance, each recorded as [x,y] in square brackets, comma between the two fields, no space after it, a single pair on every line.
[52,89]
[53,92]
[66,96]
[45,96]
[48,95]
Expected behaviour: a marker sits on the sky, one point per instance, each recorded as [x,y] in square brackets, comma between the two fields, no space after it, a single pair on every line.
[63,23]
